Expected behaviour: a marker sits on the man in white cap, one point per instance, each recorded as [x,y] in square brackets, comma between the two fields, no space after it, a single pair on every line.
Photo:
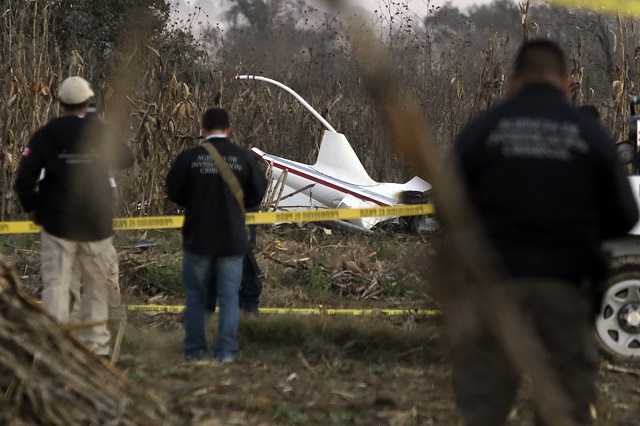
[73,204]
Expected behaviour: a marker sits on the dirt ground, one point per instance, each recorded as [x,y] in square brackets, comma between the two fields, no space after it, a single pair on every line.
[337,390]
[311,369]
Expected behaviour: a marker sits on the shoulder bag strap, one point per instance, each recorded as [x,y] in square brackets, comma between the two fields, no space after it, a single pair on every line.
[227,175]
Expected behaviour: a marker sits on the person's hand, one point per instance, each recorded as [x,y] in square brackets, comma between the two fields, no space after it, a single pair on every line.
[33,217]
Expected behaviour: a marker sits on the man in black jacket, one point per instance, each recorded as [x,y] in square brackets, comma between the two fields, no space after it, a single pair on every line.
[250,285]
[548,187]
[214,233]
[63,185]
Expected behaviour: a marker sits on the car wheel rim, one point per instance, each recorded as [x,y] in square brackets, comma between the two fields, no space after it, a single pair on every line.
[618,324]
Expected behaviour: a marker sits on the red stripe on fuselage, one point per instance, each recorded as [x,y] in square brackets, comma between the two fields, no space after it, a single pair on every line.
[326,183]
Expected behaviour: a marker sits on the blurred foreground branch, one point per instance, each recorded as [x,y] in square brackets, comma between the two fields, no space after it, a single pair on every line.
[468,247]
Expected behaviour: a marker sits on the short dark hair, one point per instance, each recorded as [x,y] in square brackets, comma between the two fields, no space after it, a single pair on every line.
[540,57]
[215,119]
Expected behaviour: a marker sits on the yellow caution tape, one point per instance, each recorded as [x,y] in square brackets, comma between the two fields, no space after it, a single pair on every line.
[176,309]
[303,311]
[148,222]
[18,228]
[166,222]
[626,7]
[337,214]
[156,308]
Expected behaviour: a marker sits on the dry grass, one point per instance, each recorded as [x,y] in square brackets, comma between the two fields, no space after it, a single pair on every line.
[409,339]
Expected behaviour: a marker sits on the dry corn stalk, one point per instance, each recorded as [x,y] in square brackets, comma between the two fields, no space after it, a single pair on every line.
[47,377]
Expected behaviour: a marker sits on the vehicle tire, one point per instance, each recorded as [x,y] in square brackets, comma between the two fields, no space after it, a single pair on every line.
[618,323]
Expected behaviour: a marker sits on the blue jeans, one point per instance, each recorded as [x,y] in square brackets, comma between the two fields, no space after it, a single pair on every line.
[196,271]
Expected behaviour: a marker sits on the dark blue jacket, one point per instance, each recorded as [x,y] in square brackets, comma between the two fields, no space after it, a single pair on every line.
[547,183]
[74,200]
[214,224]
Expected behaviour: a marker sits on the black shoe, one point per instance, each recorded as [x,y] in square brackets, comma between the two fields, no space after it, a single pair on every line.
[250,309]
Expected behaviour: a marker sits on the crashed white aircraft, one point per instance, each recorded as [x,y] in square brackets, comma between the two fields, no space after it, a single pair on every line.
[336,180]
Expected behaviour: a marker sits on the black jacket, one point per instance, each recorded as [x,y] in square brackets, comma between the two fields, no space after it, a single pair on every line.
[74,200]
[547,183]
[214,224]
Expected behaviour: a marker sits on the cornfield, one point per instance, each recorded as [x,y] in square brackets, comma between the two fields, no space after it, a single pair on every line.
[178,75]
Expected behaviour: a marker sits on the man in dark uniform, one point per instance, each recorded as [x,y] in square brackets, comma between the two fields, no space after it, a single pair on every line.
[250,285]
[548,187]
[214,233]
[73,203]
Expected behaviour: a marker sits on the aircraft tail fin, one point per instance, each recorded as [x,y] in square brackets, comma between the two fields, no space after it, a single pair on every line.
[338,159]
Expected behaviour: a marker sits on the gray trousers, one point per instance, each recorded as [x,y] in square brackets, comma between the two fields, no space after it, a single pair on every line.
[485,382]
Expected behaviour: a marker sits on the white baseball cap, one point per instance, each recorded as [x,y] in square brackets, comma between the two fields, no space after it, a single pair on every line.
[74,90]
